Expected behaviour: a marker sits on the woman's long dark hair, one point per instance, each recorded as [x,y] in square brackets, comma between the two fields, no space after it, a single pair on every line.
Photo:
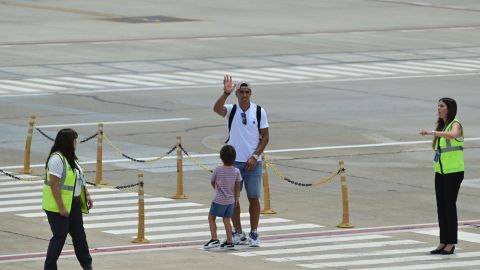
[451,113]
[64,144]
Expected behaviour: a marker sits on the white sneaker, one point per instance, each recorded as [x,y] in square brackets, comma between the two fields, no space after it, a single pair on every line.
[239,238]
[254,240]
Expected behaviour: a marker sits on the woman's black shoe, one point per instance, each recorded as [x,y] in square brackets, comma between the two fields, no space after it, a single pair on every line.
[444,252]
[437,251]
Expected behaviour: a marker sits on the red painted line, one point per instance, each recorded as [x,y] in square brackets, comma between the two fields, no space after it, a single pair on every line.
[146,247]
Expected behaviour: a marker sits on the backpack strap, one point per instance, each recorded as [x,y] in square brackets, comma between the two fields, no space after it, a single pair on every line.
[230,120]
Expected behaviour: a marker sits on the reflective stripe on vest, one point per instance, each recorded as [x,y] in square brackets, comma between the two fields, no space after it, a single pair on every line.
[64,175]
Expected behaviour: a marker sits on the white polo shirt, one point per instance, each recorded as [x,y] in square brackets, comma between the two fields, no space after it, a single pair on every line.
[245,137]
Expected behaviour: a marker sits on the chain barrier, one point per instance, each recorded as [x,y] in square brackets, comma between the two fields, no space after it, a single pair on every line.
[18,178]
[318,183]
[135,159]
[44,134]
[194,160]
[114,187]
[89,138]
[52,139]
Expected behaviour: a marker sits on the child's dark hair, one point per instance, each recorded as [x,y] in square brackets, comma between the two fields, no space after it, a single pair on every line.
[228,154]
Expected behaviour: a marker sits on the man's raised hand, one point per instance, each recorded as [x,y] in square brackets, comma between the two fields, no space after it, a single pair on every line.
[228,85]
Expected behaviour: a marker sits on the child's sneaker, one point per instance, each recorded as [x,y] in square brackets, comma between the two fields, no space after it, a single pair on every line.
[254,240]
[239,238]
[211,244]
[226,245]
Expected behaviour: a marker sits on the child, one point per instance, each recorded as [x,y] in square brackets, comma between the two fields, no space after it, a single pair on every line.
[226,182]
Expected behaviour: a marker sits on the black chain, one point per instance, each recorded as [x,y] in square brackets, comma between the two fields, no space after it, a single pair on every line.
[10,175]
[89,138]
[44,134]
[143,161]
[306,185]
[116,187]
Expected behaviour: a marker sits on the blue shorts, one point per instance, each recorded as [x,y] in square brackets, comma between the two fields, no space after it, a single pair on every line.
[252,179]
[221,210]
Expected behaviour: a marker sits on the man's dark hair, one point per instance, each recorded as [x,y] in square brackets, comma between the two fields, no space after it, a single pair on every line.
[228,155]
[64,144]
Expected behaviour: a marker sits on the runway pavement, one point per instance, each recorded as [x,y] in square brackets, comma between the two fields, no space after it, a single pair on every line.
[340,80]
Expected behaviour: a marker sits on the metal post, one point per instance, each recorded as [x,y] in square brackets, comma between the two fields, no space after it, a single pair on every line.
[141,213]
[346,215]
[179,194]
[28,146]
[266,189]
[99,171]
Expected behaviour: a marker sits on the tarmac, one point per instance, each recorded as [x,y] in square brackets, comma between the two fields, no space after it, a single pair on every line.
[340,80]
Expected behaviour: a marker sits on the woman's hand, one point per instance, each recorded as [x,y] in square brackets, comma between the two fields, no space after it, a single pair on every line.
[89,202]
[63,212]
[425,132]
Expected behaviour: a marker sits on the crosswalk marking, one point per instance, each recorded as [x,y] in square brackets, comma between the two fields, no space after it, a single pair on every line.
[447,264]
[147,214]
[285,243]
[36,194]
[347,255]
[386,260]
[326,248]
[464,236]
[94,82]
[118,78]
[34,86]
[68,84]
[304,73]
[193,226]
[206,233]
[139,81]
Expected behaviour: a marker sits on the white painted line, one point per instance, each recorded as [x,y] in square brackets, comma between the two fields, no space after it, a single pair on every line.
[94,196]
[184,78]
[204,225]
[16,88]
[304,73]
[207,233]
[284,243]
[147,214]
[267,152]
[39,187]
[446,264]
[387,260]
[34,85]
[374,66]
[464,236]
[368,69]
[475,183]
[327,69]
[404,66]
[116,78]
[427,67]
[347,255]
[326,248]
[202,75]
[117,122]
[94,82]
[353,69]
[469,61]
[273,74]
[151,221]
[459,66]
[70,84]
[242,75]
[157,79]
[449,66]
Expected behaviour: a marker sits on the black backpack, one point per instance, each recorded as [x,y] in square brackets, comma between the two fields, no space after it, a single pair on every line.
[232,114]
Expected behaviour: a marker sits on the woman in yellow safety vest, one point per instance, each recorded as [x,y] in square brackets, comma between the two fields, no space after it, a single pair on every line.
[449,169]
[64,199]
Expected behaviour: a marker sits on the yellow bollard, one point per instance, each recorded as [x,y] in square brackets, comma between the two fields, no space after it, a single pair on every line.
[141,213]
[99,170]
[346,215]
[266,189]
[28,146]
[179,194]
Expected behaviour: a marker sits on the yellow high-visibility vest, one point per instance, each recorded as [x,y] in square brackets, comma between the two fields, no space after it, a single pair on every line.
[449,153]
[67,186]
